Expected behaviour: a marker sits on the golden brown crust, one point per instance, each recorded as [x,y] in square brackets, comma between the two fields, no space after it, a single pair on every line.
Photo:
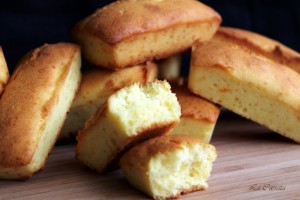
[89,124]
[4,74]
[122,19]
[28,98]
[241,62]
[263,45]
[186,191]
[158,145]
[247,83]
[194,106]
[238,61]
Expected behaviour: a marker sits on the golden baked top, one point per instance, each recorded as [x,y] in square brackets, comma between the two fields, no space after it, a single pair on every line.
[159,145]
[195,106]
[121,19]
[238,61]
[28,98]
[261,44]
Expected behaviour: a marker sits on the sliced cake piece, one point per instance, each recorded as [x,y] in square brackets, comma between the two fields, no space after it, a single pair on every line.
[167,166]
[130,115]
[96,86]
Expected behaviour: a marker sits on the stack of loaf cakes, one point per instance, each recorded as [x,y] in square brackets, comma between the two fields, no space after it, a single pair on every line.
[157,131]
[137,33]
[242,71]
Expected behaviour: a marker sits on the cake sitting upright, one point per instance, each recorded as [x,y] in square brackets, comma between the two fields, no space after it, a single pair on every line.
[129,32]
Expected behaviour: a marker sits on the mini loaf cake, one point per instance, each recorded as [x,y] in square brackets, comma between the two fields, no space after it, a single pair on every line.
[33,107]
[167,166]
[129,32]
[263,45]
[130,115]
[4,75]
[198,115]
[248,84]
[96,86]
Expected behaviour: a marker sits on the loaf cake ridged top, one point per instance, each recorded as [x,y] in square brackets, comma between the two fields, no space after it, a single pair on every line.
[259,71]
[262,45]
[124,18]
[23,111]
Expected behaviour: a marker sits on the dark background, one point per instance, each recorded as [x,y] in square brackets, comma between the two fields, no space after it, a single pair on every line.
[27,24]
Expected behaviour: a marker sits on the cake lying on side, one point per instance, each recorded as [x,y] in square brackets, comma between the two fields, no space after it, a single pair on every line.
[96,86]
[130,115]
[198,115]
[4,74]
[248,84]
[130,32]
[167,166]
[263,45]
[33,107]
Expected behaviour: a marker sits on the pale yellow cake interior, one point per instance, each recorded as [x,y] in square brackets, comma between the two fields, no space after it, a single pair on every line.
[136,107]
[179,170]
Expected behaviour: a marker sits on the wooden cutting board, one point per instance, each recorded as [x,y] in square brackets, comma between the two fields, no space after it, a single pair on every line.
[252,163]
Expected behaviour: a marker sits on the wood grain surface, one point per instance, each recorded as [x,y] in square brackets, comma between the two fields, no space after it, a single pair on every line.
[253,163]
